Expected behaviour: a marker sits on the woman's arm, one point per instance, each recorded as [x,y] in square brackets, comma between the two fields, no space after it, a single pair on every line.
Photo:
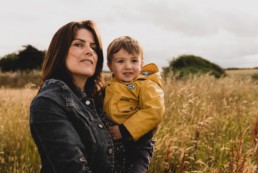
[59,144]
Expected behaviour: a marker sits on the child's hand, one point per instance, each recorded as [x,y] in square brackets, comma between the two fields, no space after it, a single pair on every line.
[115,132]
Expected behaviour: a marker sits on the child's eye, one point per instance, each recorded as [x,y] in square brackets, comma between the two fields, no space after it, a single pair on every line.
[120,61]
[135,61]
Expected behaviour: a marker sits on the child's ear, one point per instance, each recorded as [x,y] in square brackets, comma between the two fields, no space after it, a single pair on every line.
[110,67]
[142,63]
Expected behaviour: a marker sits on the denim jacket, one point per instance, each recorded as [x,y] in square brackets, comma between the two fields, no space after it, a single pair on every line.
[68,132]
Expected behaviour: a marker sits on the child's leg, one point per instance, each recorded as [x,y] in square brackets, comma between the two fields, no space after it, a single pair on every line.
[138,156]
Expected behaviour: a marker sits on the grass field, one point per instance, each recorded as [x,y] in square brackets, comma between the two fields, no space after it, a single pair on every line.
[17,150]
[242,72]
[210,126]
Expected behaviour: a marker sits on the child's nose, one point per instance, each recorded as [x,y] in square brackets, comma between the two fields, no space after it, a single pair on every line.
[128,65]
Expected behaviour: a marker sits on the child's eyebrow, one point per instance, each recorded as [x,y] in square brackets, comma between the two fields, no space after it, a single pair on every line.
[118,58]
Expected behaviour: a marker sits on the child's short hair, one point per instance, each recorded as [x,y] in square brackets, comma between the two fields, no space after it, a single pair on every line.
[127,43]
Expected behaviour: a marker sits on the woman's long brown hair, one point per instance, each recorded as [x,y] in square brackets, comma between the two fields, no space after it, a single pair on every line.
[54,61]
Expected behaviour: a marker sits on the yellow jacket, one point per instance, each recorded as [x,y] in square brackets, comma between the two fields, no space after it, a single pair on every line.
[138,105]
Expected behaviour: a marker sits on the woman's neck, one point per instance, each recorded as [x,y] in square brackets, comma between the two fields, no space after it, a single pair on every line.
[80,84]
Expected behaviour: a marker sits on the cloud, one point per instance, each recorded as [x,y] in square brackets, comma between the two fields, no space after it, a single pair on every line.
[222,31]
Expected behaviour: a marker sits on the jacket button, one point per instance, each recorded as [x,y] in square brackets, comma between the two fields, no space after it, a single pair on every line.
[110,151]
[100,126]
[87,102]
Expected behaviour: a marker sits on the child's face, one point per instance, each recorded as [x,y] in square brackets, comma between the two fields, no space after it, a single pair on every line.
[126,67]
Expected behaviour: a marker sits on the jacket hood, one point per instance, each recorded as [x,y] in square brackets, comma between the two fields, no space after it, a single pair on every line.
[150,71]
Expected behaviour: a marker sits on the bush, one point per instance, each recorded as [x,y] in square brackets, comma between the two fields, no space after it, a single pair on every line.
[186,65]
[9,62]
[27,59]
[255,76]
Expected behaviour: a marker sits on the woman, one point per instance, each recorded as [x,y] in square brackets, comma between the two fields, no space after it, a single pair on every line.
[64,120]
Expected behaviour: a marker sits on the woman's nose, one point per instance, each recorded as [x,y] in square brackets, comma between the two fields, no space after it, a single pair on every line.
[88,50]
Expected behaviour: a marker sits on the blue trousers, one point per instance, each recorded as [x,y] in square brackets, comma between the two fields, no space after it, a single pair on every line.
[138,156]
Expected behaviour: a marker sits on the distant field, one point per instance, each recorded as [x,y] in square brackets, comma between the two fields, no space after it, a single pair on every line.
[28,79]
[21,80]
[242,72]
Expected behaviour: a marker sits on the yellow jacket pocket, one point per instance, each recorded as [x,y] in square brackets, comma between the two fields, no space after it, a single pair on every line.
[127,105]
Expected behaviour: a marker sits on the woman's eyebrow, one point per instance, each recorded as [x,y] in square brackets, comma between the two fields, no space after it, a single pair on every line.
[80,40]
[84,41]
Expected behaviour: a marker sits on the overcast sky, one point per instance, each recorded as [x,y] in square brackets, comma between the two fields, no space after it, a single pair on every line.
[224,32]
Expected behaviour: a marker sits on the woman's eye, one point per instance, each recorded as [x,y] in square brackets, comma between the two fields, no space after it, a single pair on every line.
[78,44]
[93,47]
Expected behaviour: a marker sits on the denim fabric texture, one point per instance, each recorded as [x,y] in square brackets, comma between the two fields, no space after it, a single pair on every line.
[68,132]
[139,155]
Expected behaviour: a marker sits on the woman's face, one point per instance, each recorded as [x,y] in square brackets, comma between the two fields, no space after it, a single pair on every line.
[82,58]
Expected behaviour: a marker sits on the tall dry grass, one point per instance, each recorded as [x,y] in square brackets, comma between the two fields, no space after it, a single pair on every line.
[210,126]
[17,150]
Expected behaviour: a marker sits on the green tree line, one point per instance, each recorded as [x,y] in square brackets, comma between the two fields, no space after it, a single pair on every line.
[27,59]
[30,58]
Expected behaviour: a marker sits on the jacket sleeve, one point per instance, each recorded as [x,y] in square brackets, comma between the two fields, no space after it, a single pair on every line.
[151,99]
[58,142]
